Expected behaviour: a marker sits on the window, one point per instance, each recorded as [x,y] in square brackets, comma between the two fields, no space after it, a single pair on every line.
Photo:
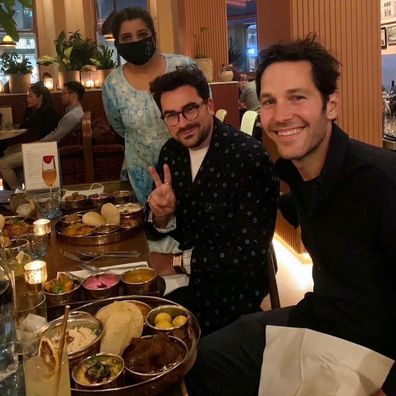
[105,9]
[26,46]
[242,34]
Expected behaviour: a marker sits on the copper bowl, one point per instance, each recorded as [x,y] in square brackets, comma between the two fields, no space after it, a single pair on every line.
[179,330]
[112,382]
[77,319]
[100,198]
[106,291]
[62,298]
[122,197]
[139,281]
[143,376]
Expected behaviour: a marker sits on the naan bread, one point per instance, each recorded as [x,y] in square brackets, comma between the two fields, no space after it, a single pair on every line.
[122,321]
[93,219]
[110,213]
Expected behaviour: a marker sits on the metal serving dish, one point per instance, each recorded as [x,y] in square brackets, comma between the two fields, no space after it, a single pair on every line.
[159,383]
[95,239]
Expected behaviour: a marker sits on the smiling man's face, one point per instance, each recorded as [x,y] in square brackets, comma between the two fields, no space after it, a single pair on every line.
[195,133]
[292,111]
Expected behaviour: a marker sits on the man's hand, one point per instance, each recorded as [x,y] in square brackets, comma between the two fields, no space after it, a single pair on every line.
[162,200]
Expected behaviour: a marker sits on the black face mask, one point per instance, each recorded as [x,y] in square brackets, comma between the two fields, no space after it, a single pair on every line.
[137,52]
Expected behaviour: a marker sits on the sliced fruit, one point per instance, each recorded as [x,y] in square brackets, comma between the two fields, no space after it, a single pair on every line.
[49,354]
[179,320]
[162,317]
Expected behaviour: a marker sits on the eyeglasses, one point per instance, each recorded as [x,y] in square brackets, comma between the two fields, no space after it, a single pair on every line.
[190,113]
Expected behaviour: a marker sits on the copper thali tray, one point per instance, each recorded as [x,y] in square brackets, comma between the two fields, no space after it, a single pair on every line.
[95,239]
[160,382]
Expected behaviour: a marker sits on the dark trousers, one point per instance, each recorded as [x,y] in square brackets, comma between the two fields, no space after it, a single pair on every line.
[229,360]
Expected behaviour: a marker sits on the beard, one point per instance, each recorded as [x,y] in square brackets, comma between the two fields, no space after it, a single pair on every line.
[196,139]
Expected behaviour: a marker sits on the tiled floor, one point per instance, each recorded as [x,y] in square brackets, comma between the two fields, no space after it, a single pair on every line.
[293,278]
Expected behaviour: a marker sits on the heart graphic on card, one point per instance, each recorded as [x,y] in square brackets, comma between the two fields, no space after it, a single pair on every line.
[48,158]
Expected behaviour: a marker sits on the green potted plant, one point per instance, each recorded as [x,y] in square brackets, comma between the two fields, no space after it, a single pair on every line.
[72,53]
[19,71]
[104,62]
[204,63]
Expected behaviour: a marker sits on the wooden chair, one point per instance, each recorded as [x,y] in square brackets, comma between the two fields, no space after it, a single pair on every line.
[221,114]
[248,121]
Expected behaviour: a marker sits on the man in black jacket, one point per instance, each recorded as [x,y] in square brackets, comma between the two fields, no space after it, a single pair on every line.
[343,194]
[215,194]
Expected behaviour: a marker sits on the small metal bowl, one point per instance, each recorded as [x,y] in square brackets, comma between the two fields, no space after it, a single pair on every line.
[100,198]
[105,292]
[143,376]
[76,319]
[107,228]
[67,231]
[77,201]
[180,331]
[129,223]
[112,382]
[132,209]
[122,197]
[139,281]
[62,298]
[72,218]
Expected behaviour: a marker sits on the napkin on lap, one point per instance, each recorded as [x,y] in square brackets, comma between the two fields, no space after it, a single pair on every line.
[303,362]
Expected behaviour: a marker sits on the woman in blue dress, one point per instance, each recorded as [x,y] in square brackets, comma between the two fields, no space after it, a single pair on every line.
[129,106]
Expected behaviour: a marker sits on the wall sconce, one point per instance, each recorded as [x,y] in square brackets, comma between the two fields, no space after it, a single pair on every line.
[35,274]
[49,83]
[42,226]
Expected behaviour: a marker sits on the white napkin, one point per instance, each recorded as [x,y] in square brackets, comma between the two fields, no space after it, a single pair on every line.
[84,274]
[303,362]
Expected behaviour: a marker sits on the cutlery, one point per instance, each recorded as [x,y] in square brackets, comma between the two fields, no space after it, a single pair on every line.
[73,257]
[91,254]
[93,268]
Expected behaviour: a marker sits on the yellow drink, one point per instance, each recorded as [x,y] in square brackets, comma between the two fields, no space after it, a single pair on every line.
[49,176]
[41,378]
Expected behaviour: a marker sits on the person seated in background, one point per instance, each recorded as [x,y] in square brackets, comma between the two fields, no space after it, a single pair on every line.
[216,195]
[249,97]
[40,118]
[343,194]
[72,95]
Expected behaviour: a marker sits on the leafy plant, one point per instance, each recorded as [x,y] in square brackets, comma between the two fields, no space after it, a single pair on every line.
[72,52]
[7,11]
[10,64]
[103,58]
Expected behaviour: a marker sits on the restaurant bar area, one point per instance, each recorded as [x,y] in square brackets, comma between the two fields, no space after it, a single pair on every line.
[197,197]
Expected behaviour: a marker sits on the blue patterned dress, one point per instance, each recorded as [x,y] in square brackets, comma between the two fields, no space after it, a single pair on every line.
[135,116]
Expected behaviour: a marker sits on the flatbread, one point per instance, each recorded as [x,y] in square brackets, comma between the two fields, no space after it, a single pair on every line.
[122,321]
[93,219]
[110,213]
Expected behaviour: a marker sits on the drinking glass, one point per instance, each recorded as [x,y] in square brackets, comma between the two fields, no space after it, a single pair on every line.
[16,255]
[30,314]
[38,245]
[42,378]
[48,204]
[48,170]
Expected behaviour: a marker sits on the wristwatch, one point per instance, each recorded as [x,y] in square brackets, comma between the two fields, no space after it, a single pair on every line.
[178,263]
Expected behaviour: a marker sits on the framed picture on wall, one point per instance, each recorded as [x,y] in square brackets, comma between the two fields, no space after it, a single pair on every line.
[388,11]
[384,41]
[391,34]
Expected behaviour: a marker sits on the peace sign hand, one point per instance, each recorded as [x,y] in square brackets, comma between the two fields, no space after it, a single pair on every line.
[162,200]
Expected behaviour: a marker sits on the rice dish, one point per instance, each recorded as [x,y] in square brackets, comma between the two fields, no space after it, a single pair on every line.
[77,338]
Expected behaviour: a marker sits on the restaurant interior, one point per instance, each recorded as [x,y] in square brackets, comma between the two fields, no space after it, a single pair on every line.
[224,38]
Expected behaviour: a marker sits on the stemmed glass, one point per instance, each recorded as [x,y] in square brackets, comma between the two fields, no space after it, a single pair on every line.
[48,170]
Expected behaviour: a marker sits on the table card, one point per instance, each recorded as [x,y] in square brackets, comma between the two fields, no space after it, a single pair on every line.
[5,116]
[40,163]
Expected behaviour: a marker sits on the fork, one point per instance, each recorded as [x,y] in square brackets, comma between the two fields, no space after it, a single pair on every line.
[86,259]
[119,253]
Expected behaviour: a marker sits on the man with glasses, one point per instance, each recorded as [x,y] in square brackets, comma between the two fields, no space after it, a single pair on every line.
[72,95]
[215,193]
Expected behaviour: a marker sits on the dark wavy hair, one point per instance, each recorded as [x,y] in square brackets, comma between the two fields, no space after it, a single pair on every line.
[183,75]
[75,87]
[39,89]
[325,67]
[127,14]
